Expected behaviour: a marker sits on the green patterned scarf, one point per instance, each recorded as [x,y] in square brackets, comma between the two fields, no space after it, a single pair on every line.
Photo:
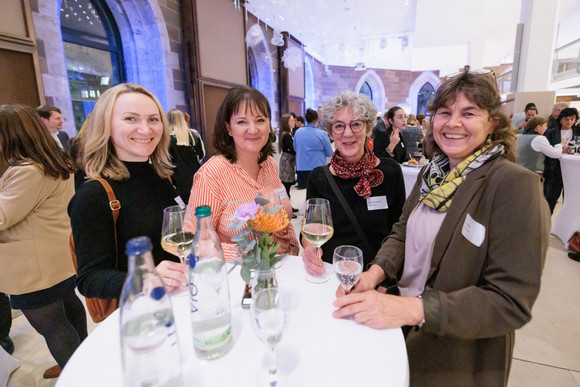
[439,184]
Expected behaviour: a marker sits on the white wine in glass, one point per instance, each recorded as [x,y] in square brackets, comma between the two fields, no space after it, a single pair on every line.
[317,229]
[348,265]
[175,240]
[270,313]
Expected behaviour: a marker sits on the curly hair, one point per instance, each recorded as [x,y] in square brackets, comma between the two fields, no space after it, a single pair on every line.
[99,156]
[257,104]
[362,109]
[481,89]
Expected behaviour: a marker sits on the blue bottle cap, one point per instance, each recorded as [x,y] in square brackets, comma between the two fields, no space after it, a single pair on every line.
[192,261]
[138,245]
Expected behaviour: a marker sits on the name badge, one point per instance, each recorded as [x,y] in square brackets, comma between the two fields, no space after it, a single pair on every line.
[377,203]
[281,194]
[473,231]
[179,201]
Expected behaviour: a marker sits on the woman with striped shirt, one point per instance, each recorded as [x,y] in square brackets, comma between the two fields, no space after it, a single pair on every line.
[242,167]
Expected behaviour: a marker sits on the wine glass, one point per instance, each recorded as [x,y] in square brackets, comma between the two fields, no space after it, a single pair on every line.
[270,313]
[317,229]
[348,264]
[175,240]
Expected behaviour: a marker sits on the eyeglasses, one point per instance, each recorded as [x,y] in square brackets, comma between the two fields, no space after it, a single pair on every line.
[467,69]
[356,126]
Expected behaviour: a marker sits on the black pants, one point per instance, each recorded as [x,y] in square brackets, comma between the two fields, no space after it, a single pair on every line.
[553,186]
[287,186]
[5,316]
[302,178]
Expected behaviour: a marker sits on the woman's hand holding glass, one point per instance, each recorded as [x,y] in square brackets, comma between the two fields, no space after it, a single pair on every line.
[175,240]
[317,229]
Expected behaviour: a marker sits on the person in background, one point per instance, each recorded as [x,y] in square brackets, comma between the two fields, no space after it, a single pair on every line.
[242,168]
[51,116]
[5,324]
[556,109]
[420,119]
[520,117]
[312,147]
[186,150]
[288,158]
[531,112]
[412,136]
[530,153]
[36,184]
[299,123]
[380,126]
[468,278]
[125,142]
[200,146]
[373,188]
[561,134]
[389,143]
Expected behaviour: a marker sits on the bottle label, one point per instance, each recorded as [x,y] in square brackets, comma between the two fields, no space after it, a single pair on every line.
[212,334]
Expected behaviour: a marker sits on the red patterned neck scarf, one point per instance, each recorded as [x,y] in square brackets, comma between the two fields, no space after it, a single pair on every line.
[364,168]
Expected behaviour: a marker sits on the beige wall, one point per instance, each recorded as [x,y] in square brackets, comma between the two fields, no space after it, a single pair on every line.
[222,48]
[296,76]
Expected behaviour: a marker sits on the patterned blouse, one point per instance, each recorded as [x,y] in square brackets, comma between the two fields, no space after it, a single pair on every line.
[225,186]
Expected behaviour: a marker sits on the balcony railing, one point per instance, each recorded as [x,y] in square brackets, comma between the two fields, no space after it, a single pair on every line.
[566,61]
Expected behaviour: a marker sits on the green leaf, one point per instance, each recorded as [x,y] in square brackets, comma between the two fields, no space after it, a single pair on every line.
[246,274]
[238,224]
[273,210]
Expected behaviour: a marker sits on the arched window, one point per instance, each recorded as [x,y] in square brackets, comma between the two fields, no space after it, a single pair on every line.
[366,90]
[426,93]
[253,70]
[93,51]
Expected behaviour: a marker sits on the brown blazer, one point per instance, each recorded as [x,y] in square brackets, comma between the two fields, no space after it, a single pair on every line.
[476,297]
[34,230]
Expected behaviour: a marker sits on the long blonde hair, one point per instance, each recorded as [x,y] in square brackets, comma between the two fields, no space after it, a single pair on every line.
[179,128]
[100,158]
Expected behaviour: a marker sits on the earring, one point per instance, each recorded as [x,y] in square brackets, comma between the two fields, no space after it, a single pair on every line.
[488,139]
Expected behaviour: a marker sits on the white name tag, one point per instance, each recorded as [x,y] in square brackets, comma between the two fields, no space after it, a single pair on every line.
[377,203]
[473,231]
[179,201]
[281,194]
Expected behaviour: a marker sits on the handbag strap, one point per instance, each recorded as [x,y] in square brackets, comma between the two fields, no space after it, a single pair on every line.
[115,206]
[347,209]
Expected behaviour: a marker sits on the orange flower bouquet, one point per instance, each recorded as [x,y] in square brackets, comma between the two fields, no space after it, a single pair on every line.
[256,241]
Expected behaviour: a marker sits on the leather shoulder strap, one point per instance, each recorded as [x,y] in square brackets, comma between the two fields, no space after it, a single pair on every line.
[347,209]
[115,206]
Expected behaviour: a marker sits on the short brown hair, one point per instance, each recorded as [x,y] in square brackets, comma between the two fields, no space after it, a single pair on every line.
[254,100]
[25,139]
[46,110]
[482,90]
[100,158]
[533,124]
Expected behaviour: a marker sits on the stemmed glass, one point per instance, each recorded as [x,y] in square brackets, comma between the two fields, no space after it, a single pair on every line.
[348,264]
[175,240]
[317,229]
[270,313]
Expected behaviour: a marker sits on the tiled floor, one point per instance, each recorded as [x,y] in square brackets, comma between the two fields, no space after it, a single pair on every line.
[547,352]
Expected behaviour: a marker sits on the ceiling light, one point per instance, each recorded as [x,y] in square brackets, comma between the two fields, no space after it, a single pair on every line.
[277,39]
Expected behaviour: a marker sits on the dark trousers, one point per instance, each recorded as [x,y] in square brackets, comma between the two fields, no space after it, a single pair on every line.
[553,186]
[5,316]
[287,186]
[302,178]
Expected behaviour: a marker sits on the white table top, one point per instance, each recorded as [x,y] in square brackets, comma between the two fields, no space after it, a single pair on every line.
[410,173]
[320,350]
[568,219]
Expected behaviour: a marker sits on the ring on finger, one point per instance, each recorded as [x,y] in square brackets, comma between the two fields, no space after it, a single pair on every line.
[169,283]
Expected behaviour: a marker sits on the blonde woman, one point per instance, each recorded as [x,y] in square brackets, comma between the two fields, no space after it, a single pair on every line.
[186,150]
[125,143]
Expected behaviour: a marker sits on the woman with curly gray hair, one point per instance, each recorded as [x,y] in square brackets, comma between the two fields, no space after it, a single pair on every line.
[372,188]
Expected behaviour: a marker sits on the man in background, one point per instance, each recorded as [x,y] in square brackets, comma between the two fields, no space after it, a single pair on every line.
[312,147]
[52,118]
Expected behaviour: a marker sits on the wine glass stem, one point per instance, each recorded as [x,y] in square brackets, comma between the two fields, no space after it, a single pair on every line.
[272,371]
[316,250]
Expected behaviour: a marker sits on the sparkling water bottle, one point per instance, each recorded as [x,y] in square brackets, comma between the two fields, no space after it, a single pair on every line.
[209,291]
[149,345]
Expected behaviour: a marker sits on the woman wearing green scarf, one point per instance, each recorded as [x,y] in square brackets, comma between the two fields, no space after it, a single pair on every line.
[468,250]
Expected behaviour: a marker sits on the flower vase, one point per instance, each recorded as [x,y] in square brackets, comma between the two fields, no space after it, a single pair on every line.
[264,279]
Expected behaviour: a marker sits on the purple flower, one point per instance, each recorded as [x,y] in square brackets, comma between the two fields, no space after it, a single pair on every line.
[247,211]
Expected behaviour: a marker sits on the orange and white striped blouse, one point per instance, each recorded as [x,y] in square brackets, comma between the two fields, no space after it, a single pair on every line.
[225,186]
